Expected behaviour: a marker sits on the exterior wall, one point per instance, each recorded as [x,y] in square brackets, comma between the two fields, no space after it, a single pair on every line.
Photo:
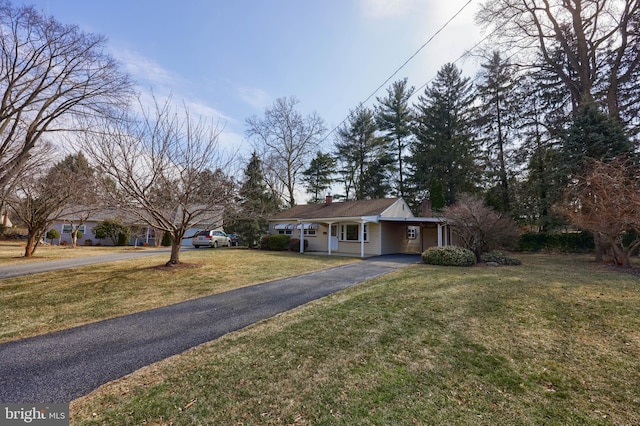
[372,247]
[429,235]
[395,240]
[88,238]
[398,209]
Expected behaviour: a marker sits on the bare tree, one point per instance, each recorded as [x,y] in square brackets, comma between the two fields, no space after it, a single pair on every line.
[593,46]
[607,203]
[38,199]
[480,228]
[49,74]
[164,169]
[286,141]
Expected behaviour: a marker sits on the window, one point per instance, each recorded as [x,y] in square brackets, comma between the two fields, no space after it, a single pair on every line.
[412,233]
[67,228]
[351,232]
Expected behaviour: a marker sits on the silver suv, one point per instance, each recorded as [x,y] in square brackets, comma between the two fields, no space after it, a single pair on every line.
[211,239]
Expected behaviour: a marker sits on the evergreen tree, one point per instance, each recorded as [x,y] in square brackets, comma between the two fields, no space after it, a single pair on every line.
[256,204]
[359,150]
[593,135]
[443,157]
[498,121]
[318,178]
[394,116]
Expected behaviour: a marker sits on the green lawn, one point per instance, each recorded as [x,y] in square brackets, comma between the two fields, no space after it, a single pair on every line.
[554,341]
[42,303]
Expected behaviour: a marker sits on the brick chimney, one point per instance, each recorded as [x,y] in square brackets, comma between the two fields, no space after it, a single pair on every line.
[328,200]
[425,208]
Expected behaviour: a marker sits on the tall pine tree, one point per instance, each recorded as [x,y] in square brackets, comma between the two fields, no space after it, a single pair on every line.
[394,116]
[443,156]
[359,151]
[318,178]
[256,204]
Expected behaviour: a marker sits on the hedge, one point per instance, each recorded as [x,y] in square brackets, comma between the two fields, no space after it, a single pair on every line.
[568,242]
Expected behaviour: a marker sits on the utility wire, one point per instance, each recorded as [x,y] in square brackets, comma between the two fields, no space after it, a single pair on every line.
[404,64]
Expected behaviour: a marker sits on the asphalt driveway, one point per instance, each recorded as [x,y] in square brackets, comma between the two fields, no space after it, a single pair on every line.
[59,367]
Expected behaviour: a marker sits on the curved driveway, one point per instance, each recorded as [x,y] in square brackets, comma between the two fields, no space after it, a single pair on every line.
[59,367]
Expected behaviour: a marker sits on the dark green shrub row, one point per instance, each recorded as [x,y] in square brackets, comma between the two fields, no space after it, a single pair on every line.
[448,256]
[499,257]
[294,244]
[568,242]
[275,242]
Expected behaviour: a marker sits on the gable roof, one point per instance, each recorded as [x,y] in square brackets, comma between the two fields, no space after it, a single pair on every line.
[337,209]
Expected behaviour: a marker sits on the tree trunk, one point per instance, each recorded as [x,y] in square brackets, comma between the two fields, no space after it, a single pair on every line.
[597,243]
[175,252]
[31,245]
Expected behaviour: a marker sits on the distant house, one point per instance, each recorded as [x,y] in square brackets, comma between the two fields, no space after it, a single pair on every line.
[87,219]
[363,227]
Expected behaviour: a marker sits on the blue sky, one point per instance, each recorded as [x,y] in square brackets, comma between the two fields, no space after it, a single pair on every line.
[230,59]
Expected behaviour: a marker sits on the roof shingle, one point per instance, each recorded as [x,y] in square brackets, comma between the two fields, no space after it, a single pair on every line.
[337,209]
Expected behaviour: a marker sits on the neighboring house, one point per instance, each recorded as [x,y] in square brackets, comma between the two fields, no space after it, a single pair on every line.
[364,227]
[145,235]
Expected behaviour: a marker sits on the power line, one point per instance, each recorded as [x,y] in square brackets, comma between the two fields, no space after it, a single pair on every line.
[403,65]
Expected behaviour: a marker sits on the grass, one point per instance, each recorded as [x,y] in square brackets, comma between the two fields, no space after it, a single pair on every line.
[12,252]
[42,303]
[555,341]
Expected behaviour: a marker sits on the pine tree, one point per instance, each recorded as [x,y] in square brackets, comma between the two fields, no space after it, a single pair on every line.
[394,115]
[318,178]
[443,157]
[498,120]
[256,204]
[359,149]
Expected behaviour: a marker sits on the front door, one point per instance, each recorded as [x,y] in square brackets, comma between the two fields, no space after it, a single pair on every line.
[333,241]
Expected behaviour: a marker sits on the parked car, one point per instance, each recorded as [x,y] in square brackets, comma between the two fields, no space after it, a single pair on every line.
[235,239]
[211,239]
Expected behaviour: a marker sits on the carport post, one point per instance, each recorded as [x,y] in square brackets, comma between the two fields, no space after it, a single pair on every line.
[329,240]
[362,239]
[439,235]
[301,237]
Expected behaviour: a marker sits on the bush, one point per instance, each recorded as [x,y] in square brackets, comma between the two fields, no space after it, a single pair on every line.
[167,239]
[294,244]
[449,256]
[279,242]
[264,242]
[123,239]
[52,234]
[566,242]
[499,257]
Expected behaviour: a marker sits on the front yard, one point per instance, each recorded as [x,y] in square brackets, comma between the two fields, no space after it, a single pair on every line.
[555,341]
[42,303]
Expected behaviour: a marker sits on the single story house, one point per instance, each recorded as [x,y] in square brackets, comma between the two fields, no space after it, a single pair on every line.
[363,227]
[85,219]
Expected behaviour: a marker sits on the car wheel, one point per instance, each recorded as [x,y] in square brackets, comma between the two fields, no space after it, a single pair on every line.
[215,244]
[196,246]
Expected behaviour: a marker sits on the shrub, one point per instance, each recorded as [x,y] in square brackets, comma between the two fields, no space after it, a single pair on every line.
[123,239]
[449,256]
[499,257]
[568,242]
[52,234]
[294,244]
[279,242]
[264,242]
[167,239]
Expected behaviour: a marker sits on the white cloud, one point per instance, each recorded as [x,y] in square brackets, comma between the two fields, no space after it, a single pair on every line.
[145,70]
[381,9]
[257,98]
